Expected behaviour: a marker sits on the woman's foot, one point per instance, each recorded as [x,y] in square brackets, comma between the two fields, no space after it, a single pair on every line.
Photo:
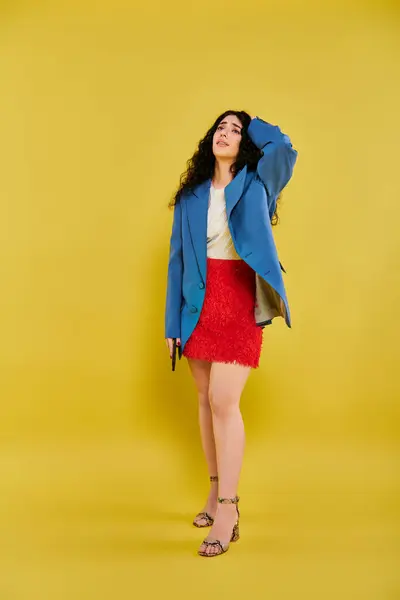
[206,517]
[225,519]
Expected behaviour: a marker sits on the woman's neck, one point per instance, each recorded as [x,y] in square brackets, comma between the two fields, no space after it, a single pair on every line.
[222,174]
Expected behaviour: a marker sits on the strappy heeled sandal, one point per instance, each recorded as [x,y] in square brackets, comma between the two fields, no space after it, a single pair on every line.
[221,547]
[204,516]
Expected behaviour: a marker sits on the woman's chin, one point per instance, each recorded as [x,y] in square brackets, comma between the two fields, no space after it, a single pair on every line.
[223,153]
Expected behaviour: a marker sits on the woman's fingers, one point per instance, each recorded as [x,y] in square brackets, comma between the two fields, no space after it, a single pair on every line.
[170,344]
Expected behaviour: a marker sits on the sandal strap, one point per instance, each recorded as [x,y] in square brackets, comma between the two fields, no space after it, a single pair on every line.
[234,500]
[204,515]
[214,542]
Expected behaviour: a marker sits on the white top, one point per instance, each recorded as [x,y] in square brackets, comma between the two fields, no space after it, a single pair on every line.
[219,240]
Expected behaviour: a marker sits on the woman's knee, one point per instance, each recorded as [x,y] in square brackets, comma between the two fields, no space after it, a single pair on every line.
[223,403]
[204,400]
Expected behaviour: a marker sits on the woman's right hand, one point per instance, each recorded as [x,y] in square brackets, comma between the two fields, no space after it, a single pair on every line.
[170,344]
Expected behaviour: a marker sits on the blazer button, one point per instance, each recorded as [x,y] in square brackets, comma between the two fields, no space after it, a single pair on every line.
[193,309]
[201,286]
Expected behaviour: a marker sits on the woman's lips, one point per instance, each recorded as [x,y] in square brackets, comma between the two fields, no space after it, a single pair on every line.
[222,143]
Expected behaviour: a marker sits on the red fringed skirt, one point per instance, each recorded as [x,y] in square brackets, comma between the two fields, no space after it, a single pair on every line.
[226,330]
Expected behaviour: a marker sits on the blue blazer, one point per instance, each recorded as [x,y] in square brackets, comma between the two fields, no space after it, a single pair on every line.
[250,204]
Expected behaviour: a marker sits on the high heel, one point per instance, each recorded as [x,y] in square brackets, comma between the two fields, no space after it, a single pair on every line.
[204,516]
[220,546]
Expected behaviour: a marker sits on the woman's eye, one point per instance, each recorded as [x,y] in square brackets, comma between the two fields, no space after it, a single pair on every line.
[234,130]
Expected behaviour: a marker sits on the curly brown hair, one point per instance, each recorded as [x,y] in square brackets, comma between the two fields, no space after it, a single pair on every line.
[201,165]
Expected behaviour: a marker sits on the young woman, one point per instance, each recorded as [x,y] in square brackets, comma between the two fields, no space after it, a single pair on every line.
[224,285]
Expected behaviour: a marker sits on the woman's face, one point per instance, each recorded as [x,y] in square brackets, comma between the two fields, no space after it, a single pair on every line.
[227,137]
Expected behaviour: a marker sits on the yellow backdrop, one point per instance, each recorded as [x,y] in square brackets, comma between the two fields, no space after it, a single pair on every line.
[101,105]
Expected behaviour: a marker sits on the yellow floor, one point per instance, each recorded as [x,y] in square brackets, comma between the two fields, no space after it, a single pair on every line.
[111,519]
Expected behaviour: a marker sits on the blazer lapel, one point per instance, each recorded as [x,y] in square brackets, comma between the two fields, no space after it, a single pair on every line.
[197,212]
[234,190]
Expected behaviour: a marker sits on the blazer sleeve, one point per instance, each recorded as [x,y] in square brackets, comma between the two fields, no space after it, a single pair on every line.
[174,279]
[275,167]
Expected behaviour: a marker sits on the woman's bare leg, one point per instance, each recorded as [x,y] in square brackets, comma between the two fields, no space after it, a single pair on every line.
[200,370]
[227,382]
